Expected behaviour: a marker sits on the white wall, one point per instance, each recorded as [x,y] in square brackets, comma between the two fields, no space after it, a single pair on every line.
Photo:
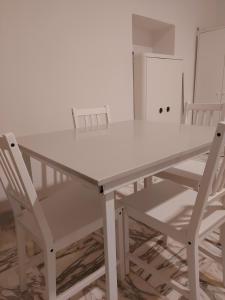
[221,12]
[56,54]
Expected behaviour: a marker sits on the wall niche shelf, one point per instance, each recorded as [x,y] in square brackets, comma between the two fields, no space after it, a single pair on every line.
[153,36]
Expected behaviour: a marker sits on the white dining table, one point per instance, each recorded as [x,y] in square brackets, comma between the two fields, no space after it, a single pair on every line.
[108,158]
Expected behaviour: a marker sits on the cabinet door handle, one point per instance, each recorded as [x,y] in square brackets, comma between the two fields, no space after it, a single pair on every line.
[167,108]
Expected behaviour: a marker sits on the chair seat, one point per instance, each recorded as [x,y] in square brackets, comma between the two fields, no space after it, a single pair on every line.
[72,213]
[188,173]
[167,207]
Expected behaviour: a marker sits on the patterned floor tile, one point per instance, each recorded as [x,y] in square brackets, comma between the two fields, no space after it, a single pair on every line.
[77,261]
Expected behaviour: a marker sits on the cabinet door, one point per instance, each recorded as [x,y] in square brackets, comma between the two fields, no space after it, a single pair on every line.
[210,66]
[164,89]
[223,85]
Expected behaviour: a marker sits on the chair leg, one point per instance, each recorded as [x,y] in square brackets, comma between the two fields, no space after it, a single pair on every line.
[120,245]
[80,244]
[164,241]
[126,242]
[50,273]
[193,271]
[148,182]
[222,240]
[22,257]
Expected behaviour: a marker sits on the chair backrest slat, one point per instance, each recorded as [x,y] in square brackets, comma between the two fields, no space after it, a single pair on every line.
[98,120]
[15,170]
[86,121]
[91,117]
[203,114]
[93,120]
[195,116]
[15,184]
[208,117]
[212,184]
[6,170]
[18,185]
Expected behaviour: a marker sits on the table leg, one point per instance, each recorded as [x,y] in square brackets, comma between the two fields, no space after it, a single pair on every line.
[147,182]
[110,246]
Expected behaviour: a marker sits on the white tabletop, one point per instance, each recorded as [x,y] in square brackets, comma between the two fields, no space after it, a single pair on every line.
[124,148]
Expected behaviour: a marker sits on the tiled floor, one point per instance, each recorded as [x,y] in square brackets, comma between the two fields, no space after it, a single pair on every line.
[74,263]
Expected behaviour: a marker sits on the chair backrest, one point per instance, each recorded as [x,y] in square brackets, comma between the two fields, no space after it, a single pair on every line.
[91,117]
[203,114]
[18,185]
[212,185]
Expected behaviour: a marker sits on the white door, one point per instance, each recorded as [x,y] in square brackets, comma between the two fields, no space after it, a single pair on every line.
[210,66]
[164,89]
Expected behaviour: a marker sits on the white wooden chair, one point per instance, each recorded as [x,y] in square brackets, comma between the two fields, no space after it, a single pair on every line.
[203,114]
[60,220]
[189,172]
[92,118]
[183,214]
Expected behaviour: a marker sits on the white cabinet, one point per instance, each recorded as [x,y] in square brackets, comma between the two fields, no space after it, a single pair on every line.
[210,82]
[157,88]
[223,86]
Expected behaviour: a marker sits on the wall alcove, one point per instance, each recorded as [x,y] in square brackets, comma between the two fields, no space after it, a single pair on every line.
[153,36]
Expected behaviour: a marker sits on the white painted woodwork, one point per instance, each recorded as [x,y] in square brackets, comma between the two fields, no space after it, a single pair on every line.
[76,198]
[164,89]
[91,117]
[156,203]
[210,66]
[189,173]
[116,156]
[157,88]
[203,114]
[183,214]
[56,222]
[110,245]
[124,149]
